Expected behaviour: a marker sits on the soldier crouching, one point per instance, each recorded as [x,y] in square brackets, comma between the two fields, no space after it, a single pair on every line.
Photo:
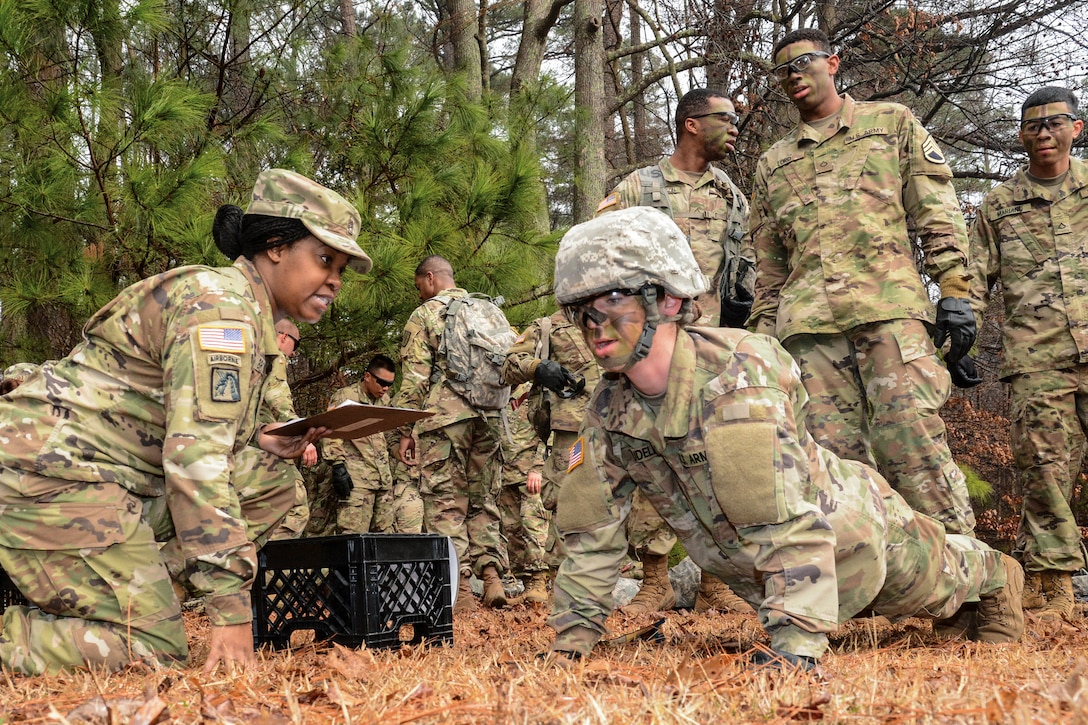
[708,424]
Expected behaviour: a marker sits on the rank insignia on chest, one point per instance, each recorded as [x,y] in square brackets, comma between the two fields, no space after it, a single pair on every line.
[221,338]
[576,455]
[226,385]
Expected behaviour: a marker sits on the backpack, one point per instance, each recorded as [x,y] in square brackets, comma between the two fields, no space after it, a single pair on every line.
[473,348]
[735,269]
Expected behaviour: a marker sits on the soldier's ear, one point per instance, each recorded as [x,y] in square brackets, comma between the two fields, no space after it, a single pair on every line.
[670,305]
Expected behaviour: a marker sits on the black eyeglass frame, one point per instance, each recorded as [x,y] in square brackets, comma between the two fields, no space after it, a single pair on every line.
[1045,122]
[791,66]
[733,118]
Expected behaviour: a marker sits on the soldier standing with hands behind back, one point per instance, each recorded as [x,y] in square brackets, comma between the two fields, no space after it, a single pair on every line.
[1031,234]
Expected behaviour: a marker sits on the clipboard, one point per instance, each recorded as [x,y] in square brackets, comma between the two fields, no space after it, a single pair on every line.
[353,420]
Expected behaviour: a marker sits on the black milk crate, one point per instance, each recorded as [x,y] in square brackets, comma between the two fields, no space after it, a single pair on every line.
[381,590]
[10,595]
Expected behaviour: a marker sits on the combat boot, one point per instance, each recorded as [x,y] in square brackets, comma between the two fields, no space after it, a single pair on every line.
[494,594]
[1000,618]
[536,587]
[1058,590]
[961,625]
[466,600]
[656,592]
[1033,590]
[715,594]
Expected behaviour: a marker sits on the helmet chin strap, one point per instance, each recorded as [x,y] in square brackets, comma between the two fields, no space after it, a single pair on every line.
[646,338]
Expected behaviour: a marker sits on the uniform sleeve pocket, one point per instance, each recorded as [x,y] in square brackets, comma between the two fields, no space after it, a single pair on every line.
[585,500]
[742,469]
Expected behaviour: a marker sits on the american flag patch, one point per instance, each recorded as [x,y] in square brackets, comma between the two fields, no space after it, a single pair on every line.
[607,202]
[575,456]
[219,338]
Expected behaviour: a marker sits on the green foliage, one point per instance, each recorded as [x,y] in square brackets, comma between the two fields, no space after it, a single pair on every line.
[127,125]
[980,491]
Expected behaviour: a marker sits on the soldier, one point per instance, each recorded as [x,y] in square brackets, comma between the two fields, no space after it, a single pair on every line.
[713,213]
[524,519]
[458,447]
[552,354]
[360,467]
[93,475]
[1032,234]
[279,407]
[836,279]
[709,424]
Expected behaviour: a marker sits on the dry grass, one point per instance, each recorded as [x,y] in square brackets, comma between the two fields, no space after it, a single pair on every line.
[876,673]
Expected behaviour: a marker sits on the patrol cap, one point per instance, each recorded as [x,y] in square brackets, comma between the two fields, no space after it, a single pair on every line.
[329,216]
[626,249]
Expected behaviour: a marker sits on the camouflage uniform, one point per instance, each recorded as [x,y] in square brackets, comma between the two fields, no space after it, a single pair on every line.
[139,436]
[568,348]
[324,503]
[836,281]
[369,506]
[279,407]
[457,448]
[807,538]
[1035,241]
[19,373]
[705,213]
[407,503]
[525,521]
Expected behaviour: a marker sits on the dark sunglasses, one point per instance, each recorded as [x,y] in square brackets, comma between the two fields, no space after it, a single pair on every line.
[379,381]
[799,64]
[1057,122]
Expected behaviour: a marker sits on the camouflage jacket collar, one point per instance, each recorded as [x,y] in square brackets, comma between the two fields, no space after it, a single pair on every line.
[673,419]
[675,176]
[263,302]
[804,132]
[1023,188]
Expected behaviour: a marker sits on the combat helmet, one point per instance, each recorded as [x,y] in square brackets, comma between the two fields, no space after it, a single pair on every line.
[636,249]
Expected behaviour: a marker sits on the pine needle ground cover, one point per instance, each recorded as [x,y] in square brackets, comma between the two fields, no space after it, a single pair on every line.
[877,672]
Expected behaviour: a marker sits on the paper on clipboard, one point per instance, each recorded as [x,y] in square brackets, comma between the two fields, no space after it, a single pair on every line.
[353,420]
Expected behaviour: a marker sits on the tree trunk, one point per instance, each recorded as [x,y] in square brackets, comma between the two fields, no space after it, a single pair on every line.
[466,46]
[589,101]
[347,18]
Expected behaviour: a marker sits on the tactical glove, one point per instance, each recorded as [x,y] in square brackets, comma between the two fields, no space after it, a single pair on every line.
[964,373]
[955,320]
[555,377]
[783,660]
[735,310]
[341,480]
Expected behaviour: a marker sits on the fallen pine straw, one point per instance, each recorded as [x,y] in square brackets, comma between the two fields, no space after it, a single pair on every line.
[877,672]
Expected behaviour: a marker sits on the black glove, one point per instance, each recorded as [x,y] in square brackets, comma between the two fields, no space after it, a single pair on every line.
[554,376]
[956,320]
[964,373]
[783,660]
[735,311]
[341,480]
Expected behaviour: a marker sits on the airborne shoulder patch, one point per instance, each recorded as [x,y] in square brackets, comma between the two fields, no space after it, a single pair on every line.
[606,202]
[219,337]
[932,151]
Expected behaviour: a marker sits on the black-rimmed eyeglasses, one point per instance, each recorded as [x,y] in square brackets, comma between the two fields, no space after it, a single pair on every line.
[799,64]
[727,116]
[1057,122]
